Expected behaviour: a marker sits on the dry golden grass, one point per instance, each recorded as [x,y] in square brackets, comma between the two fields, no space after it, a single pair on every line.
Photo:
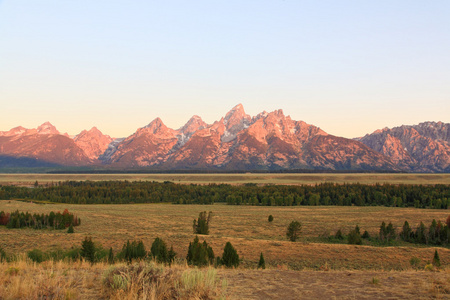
[23,279]
[246,227]
[29,179]
[333,271]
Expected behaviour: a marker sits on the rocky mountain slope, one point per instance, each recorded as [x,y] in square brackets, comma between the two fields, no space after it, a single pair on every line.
[238,141]
[93,142]
[45,145]
[421,148]
[241,142]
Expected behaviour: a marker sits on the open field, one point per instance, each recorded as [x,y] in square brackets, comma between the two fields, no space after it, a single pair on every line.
[372,178]
[305,269]
[246,227]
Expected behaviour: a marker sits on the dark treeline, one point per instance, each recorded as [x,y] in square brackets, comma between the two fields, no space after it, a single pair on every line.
[437,234]
[39,221]
[121,192]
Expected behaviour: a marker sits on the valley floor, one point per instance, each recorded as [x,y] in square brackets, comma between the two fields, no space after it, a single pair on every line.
[307,269]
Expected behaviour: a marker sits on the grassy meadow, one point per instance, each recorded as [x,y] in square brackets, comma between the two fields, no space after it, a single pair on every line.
[310,268]
[246,227]
[264,178]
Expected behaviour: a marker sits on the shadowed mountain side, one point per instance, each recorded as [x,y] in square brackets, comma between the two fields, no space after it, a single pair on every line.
[24,162]
[52,148]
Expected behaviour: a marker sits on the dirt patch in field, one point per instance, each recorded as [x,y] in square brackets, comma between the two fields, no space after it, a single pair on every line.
[286,284]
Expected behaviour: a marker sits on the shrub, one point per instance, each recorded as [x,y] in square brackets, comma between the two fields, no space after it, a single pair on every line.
[230,258]
[36,255]
[262,262]
[270,219]
[414,262]
[201,226]
[70,230]
[88,249]
[124,278]
[152,281]
[74,254]
[293,231]
[172,255]
[199,254]
[2,255]
[429,267]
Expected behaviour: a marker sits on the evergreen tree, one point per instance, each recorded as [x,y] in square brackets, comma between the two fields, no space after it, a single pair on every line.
[390,232]
[70,230]
[406,232]
[436,259]
[201,225]
[420,235]
[365,235]
[171,255]
[339,235]
[133,250]
[270,219]
[261,263]
[293,231]
[88,249]
[159,251]
[230,258]
[111,256]
[354,237]
[383,232]
[199,254]
[432,233]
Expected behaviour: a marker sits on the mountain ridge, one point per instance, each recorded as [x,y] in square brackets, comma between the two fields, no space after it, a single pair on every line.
[238,141]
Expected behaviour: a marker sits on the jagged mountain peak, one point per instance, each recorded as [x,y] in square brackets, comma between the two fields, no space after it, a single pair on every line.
[155,126]
[236,119]
[47,128]
[14,131]
[195,123]
[236,112]
[94,132]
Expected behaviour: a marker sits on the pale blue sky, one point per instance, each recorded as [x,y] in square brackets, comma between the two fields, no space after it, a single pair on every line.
[349,67]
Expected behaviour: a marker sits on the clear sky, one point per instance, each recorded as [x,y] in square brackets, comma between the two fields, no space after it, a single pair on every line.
[349,67]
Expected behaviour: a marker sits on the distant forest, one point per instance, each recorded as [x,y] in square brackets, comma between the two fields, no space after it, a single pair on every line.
[123,192]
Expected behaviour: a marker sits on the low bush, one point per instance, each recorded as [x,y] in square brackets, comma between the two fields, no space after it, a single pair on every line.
[36,255]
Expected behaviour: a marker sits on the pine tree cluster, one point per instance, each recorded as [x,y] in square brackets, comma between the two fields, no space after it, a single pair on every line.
[39,221]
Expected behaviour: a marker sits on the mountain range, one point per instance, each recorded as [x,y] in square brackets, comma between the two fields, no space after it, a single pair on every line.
[238,141]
